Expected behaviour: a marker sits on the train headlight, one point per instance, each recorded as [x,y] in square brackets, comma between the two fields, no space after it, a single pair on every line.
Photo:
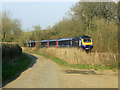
[84,45]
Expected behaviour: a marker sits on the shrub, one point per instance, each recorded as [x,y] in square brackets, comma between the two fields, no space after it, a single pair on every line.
[10,51]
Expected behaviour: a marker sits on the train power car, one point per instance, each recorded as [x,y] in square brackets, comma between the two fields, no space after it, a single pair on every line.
[84,42]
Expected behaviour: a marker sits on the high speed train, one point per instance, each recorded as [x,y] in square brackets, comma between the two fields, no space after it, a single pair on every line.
[84,42]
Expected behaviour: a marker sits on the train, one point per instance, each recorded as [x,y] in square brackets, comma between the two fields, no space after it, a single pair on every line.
[84,42]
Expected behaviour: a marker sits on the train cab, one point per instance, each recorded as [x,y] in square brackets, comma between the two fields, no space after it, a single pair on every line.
[86,43]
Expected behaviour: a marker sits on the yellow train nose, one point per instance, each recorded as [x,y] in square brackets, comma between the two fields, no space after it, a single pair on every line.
[87,43]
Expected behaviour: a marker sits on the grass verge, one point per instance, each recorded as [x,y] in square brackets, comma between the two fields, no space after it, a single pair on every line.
[14,66]
[78,66]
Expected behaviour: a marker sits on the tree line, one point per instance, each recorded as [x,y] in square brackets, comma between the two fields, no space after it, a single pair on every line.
[96,19]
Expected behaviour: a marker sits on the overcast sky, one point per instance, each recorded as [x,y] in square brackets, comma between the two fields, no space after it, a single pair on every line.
[37,13]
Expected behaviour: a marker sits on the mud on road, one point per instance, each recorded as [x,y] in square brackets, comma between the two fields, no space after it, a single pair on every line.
[47,74]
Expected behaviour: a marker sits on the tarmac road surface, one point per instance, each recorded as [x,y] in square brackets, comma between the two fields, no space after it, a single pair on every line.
[47,74]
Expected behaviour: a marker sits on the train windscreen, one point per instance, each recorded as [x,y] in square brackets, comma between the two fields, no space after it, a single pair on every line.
[87,40]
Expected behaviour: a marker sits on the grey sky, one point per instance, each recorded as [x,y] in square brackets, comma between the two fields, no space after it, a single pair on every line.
[37,13]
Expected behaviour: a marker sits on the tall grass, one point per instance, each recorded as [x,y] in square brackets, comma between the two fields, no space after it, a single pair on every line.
[78,56]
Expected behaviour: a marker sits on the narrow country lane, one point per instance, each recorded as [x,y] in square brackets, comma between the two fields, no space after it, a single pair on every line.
[43,74]
[47,74]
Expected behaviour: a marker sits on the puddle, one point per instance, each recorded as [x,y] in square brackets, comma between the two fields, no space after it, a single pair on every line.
[81,72]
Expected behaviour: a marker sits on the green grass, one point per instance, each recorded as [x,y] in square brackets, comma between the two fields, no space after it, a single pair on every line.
[15,66]
[78,66]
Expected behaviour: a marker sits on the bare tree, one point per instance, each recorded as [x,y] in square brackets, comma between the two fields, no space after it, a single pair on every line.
[37,35]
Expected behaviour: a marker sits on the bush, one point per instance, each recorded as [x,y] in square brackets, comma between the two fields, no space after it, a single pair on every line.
[10,51]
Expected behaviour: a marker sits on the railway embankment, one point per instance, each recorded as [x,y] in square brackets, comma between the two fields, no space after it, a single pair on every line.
[13,61]
[77,58]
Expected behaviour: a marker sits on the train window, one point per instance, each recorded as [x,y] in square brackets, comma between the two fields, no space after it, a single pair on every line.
[52,43]
[87,40]
[63,42]
[43,43]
